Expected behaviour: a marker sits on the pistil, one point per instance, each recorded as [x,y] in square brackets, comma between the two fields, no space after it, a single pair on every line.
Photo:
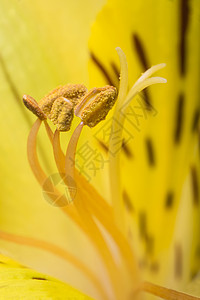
[123,101]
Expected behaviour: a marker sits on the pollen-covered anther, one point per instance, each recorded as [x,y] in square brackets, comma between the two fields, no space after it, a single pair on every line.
[96,104]
[62,113]
[33,106]
[73,92]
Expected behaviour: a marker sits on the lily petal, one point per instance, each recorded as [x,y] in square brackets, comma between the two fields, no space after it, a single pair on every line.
[160,165]
[18,282]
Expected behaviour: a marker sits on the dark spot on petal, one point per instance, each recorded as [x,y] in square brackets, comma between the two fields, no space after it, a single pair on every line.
[149,244]
[184,20]
[169,200]
[179,119]
[143,225]
[143,263]
[14,91]
[178,268]
[150,152]
[154,267]
[127,201]
[104,146]
[195,120]
[199,140]
[38,278]
[3,286]
[195,187]
[198,251]
[193,275]
[143,230]
[146,98]
[140,50]
[126,149]
[2,262]
[115,69]
[139,47]
[17,97]
[102,68]
[130,235]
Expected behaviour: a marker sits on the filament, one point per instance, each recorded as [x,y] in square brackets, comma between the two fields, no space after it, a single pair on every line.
[165,293]
[42,177]
[97,207]
[92,230]
[71,151]
[32,155]
[49,131]
[70,210]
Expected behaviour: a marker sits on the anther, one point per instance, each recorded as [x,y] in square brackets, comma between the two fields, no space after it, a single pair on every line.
[33,106]
[96,104]
[73,92]
[62,113]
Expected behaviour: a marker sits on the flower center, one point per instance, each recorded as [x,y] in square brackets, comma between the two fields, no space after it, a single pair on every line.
[87,209]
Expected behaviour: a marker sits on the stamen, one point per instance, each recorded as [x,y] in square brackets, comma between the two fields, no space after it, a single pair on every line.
[51,248]
[42,177]
[93,231]
[73,92]
[71,209]
[62,113]
[71,151]
[96,104]
[32,155]
[33,106]
[49,132]
[85,205]
[99,209]
[58,154]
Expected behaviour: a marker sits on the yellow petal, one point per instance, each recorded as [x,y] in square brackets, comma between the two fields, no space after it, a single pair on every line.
[194,286]
[160,165]
[18,282]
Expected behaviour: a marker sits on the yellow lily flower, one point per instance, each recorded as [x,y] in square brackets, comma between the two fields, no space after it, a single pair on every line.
[143,214]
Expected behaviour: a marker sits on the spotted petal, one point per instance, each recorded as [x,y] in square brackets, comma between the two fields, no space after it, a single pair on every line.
[159,157]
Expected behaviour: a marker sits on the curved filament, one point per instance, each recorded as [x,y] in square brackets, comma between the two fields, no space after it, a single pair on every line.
[81,203]
[43,178]
[165,293]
